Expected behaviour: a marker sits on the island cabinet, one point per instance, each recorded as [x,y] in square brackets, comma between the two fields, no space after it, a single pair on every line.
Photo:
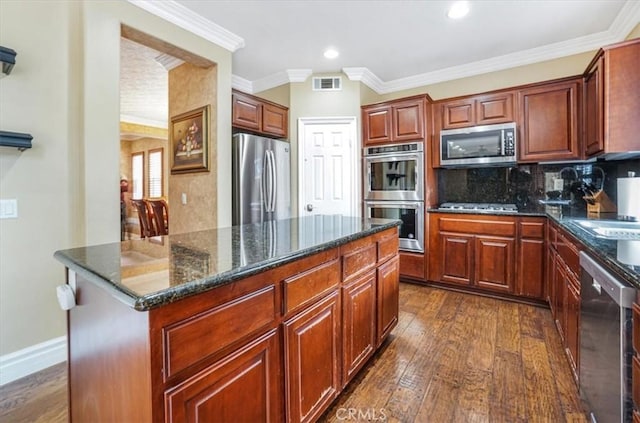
[394,121]
[498,254]
[549,121]
[259,115]
[563,283]
[611,101]
[278,345]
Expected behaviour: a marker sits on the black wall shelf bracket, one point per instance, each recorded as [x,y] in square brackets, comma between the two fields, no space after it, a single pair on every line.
[15,139]
[8,59]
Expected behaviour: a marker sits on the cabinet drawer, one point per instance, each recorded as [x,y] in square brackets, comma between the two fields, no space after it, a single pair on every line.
[388,246]
[189,341]
[532,229]
[356,261]
[412,265]
[480,226]
[569,253]
[305,287]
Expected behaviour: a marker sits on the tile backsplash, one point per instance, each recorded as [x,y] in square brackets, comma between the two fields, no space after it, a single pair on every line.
[524,185]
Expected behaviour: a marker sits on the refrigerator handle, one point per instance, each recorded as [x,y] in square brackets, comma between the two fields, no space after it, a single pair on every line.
[274,181]
[264,188]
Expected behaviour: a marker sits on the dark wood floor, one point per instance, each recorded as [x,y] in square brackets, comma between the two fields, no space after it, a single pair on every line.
[452,358]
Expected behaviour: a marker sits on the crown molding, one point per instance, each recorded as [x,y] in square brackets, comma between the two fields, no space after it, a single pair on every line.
[627,19]
[241,84]
[187,19]
[143,121]
[285,77]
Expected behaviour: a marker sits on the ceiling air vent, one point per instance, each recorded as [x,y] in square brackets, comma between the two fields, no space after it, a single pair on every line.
[333,83]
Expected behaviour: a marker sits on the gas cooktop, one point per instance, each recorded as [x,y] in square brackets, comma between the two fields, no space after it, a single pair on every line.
[492,207]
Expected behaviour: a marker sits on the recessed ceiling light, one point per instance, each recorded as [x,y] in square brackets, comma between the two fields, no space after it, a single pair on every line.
[331,53]
[458,10]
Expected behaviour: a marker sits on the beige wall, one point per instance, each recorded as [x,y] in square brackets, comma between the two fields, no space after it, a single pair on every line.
[635,33]
[46,180]
[190,88]
[304,102]
[280,94]
[64,90]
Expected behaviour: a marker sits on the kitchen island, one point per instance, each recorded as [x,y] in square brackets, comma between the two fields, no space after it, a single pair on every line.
[262,322]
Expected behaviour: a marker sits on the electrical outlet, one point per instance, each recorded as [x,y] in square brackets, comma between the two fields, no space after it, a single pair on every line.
[9,208]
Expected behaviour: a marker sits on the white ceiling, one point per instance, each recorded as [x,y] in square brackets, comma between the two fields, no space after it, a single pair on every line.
[398,44]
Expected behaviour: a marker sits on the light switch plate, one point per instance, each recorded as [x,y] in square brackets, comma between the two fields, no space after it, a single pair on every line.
[8,208]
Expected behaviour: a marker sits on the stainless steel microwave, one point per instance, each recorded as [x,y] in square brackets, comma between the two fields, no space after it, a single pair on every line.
[487,145]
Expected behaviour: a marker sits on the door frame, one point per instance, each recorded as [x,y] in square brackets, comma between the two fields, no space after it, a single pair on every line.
[354,147]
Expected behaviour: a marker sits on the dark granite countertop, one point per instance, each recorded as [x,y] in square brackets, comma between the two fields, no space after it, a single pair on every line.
[604,250]
[148,273]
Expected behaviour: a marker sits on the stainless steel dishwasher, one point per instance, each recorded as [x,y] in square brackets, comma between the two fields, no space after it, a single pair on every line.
[605,343]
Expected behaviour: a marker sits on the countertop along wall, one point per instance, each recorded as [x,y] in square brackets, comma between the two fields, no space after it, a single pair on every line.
[67,184]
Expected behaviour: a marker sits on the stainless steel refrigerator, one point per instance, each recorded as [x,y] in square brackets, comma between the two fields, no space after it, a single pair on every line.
[261,179]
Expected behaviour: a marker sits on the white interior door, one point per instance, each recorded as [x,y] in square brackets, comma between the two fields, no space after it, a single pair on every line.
[328,166]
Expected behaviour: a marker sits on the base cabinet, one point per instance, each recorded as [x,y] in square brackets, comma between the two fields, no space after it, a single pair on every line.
[312,359]
[388,298]
[564,292]
[272,347]
[358,324]
[219,393]
[498,254]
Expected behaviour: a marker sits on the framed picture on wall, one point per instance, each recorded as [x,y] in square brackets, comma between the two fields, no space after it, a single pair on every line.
[190,141]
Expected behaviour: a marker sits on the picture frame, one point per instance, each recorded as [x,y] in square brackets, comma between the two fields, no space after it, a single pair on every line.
[189,141]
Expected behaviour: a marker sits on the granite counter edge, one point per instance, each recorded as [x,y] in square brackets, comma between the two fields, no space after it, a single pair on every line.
[169,295]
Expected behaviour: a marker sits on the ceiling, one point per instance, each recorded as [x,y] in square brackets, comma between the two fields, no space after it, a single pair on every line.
[391,45]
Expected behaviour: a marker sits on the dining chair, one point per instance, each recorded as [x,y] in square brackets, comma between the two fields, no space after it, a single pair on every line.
[160,214]
[144,217]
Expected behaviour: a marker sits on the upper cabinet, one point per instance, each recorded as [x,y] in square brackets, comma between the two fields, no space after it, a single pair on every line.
[611,100]
[549,121]
[259,115]
[394,121]
[476,110]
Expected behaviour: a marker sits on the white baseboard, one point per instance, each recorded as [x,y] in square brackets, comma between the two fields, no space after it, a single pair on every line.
[32,359]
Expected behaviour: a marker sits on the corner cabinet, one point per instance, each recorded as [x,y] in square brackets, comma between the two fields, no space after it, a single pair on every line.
[549,121]
[488,253]
[259,115]
[611,101]
[395,121]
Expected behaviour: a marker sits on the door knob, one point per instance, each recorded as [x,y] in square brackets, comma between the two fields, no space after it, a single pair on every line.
[309,207]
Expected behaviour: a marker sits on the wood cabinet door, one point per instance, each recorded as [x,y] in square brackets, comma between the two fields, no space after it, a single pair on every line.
[531,258]
[494,263]
[245,386]
[495,108]
[408,121]
[358,324]
[549,118]
[593,101]
[388,297]
[531,268]
[312,359]
[376,124]
[458,113]
[275,120]
[551,285]
[246,112]
[572,323]
[456,258]
[560,281]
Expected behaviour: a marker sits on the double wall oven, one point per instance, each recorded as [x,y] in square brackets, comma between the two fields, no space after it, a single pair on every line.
[394,189]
